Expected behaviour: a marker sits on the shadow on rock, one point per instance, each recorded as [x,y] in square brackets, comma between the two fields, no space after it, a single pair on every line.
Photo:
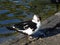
[47,32]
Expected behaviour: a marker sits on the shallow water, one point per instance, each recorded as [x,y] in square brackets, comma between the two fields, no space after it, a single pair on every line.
[7,17]
[10,15]
[3,11]
[3,30]
[9,21]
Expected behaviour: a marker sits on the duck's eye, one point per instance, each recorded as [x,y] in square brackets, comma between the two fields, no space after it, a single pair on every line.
[38,20]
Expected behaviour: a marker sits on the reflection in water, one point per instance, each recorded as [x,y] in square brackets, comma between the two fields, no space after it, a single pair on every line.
[9,21]
[3,30]
[10,15]
[21,2]
[5,34]
[3,11]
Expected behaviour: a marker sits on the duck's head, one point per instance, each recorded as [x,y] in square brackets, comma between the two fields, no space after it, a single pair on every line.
[36,19]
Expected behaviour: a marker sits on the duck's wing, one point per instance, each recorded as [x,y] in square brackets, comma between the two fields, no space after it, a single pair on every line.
[25,25]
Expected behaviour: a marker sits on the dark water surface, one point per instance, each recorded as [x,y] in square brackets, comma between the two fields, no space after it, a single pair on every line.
[7,17]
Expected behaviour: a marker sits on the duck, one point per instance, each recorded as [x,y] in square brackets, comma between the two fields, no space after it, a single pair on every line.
[27,27]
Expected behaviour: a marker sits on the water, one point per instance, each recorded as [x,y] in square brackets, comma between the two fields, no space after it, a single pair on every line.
[10,15]
[7,17]
[9,21]
[3,11]
[3,30]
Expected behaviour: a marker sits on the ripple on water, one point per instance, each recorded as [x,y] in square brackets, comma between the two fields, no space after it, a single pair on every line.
[10,15]
[9,21]
[3,11]
[4,30]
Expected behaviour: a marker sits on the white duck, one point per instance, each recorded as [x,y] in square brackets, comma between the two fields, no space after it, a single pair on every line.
[27,27]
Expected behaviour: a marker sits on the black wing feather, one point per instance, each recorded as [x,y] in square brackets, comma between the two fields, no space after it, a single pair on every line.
[25,25]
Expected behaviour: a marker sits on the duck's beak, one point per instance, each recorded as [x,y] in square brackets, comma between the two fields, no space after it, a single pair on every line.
[40,18]
[10,28]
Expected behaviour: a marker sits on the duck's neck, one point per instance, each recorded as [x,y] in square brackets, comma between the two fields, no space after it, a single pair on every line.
[38,24]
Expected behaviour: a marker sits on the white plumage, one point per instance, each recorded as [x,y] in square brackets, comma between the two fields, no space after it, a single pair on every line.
[28,27]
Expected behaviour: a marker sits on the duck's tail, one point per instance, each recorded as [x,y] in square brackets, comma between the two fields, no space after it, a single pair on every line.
[10,28]
[15,29]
